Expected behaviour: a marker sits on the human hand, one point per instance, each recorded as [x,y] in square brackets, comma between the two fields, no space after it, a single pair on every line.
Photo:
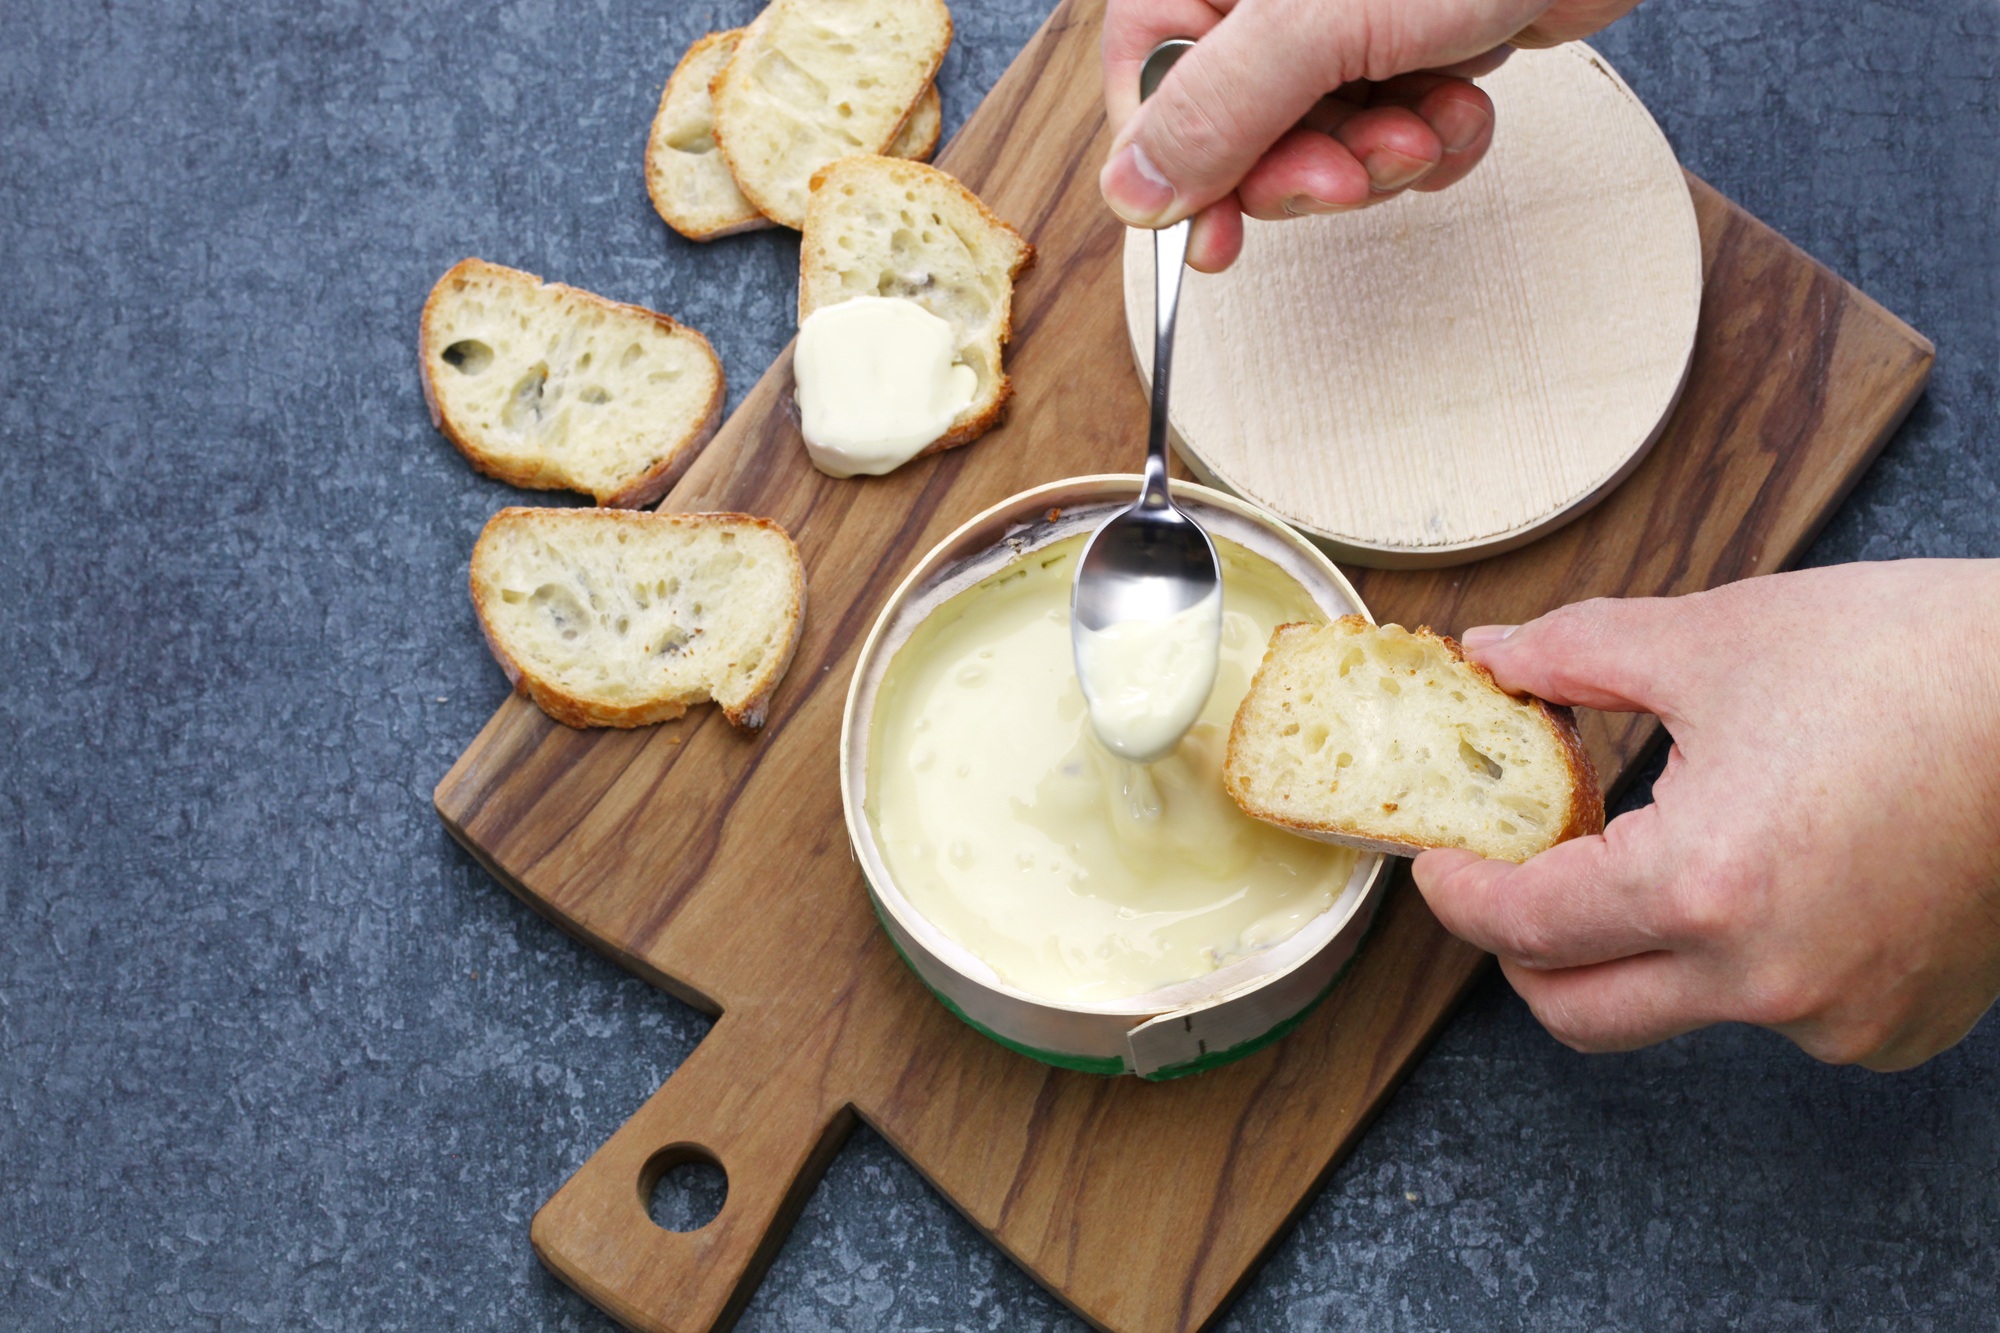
[1287,107]
[1822,855]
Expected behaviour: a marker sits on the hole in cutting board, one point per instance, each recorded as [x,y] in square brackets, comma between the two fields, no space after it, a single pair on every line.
[683,1188]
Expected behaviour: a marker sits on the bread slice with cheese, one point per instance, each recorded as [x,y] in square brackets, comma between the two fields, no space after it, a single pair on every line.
[1389,739]
[813,81]
[882,227]
[686,174]
[608,618]
[552,388]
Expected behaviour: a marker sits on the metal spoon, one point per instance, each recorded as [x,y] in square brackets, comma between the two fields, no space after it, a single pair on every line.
[1150,561]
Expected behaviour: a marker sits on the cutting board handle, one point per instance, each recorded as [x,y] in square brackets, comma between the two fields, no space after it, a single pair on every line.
[772,1137]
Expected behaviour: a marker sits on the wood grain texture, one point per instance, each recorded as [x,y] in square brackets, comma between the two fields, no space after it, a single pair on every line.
[715,864]
[1484,362]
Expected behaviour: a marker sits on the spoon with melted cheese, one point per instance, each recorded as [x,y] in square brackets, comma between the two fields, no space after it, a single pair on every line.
[1147,605]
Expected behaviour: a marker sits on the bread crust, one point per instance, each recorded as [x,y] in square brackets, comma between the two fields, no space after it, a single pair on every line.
[664,203]
[717,87]
[573,710]
[969,428]
[919,152]
[1586,798]
[643,489]
[657,174]
[716,80]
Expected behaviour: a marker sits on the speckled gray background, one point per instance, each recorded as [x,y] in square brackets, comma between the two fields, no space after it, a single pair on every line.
[275,1054]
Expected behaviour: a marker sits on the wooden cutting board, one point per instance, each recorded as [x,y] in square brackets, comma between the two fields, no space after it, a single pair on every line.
[715,864]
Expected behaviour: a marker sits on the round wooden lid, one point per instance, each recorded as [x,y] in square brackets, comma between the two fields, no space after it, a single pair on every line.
[1449,375]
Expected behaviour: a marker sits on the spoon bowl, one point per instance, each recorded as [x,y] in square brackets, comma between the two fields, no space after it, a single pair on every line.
[1147,562]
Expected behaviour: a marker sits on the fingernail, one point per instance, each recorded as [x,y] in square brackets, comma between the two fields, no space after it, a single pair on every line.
[1484,636]
[1390,170]
[1304,205]
[1136,189]
[1459,124]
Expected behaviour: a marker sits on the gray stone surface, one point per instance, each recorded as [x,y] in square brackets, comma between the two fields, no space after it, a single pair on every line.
[275,1054]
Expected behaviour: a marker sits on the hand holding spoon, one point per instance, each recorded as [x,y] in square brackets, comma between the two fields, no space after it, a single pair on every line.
[1146,607]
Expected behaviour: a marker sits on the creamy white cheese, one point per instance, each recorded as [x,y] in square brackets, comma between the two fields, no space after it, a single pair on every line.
[879,381]
[1080,877]
[1146,680]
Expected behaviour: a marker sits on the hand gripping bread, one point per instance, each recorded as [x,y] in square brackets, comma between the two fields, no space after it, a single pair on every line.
[1392,741]
[607,618]
[686,175]
[816,80]
[548,387]
[882,227]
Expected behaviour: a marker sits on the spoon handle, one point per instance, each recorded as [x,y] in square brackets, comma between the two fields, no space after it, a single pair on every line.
[1169,257]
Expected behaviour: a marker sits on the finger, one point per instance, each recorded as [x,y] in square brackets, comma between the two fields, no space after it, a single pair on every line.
[1618,1006]
[1250,78]
[1305,172]
[1216,237]
[1205,127]
[1624,655]
[1458,113]
[1585,901]
[1394,144]
[1247,81]
[1253,75]
[1132,28]
[1332,111]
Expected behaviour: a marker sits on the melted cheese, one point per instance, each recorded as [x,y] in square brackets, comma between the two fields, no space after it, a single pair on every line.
[1146,681]
[1080,877]
[879,382]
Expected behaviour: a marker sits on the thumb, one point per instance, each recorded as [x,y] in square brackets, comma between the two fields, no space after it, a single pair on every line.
[1621,655]
[1224,102]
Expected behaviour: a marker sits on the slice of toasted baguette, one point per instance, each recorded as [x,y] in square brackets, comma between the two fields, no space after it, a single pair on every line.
[686,174]
[608,618]
[1392,741]
[882,227]
[552,388]
[816,80]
